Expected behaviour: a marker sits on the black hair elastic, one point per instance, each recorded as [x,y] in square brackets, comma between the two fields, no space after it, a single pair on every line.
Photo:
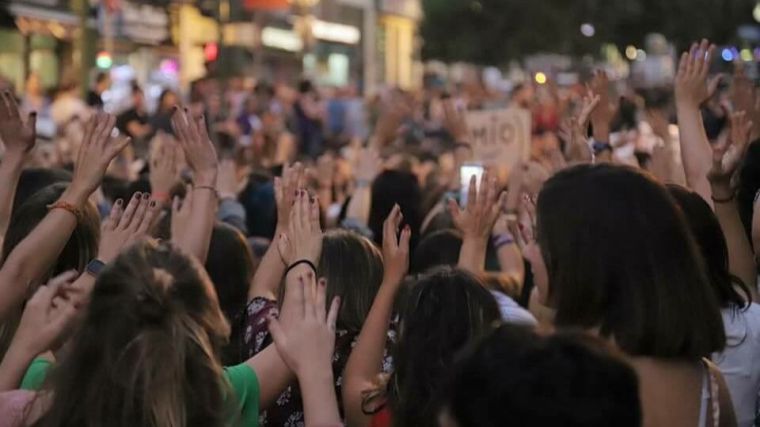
[299,262]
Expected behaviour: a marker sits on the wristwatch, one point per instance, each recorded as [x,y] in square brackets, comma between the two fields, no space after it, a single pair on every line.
[94,267]
[599,147]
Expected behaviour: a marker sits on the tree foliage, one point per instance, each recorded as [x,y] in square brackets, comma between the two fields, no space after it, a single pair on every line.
[495,31]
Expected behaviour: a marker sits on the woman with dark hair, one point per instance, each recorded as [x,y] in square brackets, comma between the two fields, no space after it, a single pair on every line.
[441,312]
[353,268]
[515,377]
[162,118]
[395,187]
[741,317]
[230,266]
[56,229]
[351,265]
[602,235]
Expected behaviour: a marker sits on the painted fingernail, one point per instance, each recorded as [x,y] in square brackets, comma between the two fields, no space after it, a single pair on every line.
[153,203]
[118,202]
[137,195]
[146,196]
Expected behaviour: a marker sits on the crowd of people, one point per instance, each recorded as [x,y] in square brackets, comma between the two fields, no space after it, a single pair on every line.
[287,257]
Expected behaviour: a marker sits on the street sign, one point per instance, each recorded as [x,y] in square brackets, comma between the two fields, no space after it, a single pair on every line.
[499,137]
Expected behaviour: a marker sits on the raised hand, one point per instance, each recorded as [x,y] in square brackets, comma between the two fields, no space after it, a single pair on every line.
[604,112]
[97,151]
[197,146]
[728,154]
[325,171]
[125,226]
[454,121]
[390,120]
[578,149]
[366,165]
[395,248]
[17,134]
[227,184]
[308,342]
[691,86]
[483,207]
[46,317]
[285,192]
[744,97]
[182,215]
[525,232]
[303,240]
[163,168]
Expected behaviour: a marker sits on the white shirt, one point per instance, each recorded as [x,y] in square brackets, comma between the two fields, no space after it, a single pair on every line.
[740,361]
[511,312]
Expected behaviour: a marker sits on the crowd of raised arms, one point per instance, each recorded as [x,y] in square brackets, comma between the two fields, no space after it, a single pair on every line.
[282,281]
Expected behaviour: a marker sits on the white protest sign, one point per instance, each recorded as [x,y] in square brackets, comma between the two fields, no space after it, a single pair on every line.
[500,137]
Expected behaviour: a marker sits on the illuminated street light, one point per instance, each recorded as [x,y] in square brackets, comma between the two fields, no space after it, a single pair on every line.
[631,53]
[588,30]
[756,12]
[727,55]
[746,55]
[104,60]
[540,78]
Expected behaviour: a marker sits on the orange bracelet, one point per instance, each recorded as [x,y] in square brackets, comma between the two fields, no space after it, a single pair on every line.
[161,196]
[61,204]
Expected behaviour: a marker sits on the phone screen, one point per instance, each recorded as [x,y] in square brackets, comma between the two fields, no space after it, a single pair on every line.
[466,172]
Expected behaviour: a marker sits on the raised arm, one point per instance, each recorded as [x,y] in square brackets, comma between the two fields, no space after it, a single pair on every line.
[476,221]
[602,115]
[307,346]
[201,201]
[366,359]
[726,158]
[365,169]
[508,252]
[692,90]
[31,259]
[269,274]
[300,248]
[42,328]
[578,149]
[163,168]
[19,136]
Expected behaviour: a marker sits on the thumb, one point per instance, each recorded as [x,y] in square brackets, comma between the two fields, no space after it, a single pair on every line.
[454,209]
[278,334]
[32,120]
[712,85]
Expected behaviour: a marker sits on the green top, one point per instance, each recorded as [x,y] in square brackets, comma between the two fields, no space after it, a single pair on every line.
[241,378]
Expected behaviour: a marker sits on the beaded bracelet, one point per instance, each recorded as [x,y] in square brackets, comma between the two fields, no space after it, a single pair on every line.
[62,204]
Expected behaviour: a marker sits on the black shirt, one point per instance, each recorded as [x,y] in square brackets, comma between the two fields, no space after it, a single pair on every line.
[127,117]
[94,100]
